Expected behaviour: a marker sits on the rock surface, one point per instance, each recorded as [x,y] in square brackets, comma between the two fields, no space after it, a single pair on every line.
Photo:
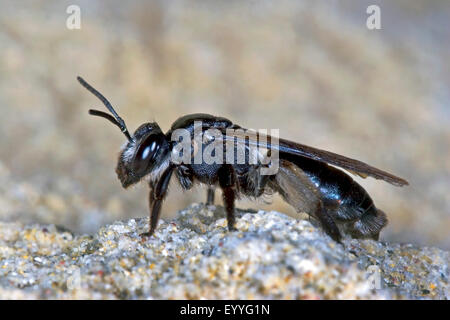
[271,256]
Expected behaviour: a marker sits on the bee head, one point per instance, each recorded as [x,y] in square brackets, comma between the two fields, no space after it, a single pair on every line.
[146,149]
[142,151]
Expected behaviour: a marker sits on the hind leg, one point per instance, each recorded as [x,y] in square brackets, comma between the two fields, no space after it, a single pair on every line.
[323,213]
[227,182]
[297,189]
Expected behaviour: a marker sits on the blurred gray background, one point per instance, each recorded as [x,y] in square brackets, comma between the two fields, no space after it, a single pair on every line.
[310,68]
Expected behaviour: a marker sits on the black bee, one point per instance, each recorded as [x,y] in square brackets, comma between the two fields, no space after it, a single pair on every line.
[305,177]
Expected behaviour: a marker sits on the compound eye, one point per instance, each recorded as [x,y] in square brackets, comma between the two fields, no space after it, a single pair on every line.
[146,152]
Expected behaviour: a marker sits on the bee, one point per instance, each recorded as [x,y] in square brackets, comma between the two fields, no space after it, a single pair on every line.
[309,179]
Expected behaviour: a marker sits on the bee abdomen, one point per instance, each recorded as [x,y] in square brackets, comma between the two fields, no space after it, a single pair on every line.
[369,225]
[358,214]
[354,203]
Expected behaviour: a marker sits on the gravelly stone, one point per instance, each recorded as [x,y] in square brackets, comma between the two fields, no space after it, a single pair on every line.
[271,256]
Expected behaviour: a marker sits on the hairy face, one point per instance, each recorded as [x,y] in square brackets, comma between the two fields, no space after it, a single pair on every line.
[138,157]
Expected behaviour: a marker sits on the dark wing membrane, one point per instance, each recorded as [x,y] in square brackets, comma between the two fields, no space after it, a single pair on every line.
[354,166]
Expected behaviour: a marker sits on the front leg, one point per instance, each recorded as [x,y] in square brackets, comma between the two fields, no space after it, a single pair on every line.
[157,193]
[151,185]
[227,182]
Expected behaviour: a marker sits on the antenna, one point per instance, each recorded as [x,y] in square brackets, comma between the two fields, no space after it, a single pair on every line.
[118,121]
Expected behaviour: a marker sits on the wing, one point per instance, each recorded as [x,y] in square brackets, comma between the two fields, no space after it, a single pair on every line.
[296,188]
[289,147]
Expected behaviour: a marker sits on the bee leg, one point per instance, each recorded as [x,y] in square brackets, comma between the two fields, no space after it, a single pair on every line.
[227,182]
[210,195]
[156,198]
[327,222]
